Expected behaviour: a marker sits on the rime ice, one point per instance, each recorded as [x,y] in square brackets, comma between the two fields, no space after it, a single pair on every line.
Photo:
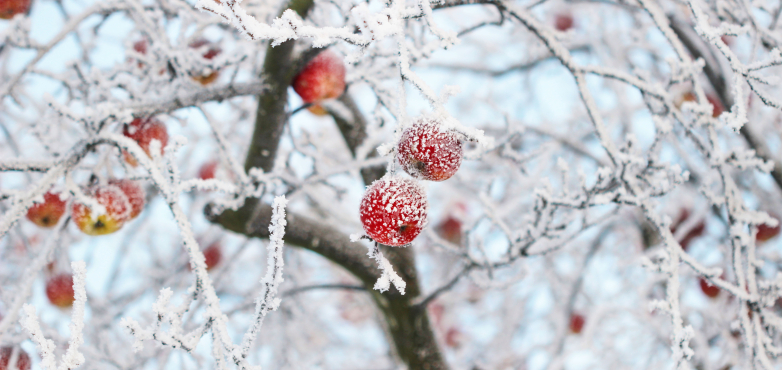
[428,152]
[393,210]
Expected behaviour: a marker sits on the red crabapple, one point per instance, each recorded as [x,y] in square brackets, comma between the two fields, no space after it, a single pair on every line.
[59,290]
[22,359]
[134,192]
[563,22]
[322,78]
[118,211]
[10,8]
[454,337]
[766,232]
[143,131]
[716,104]
[47,214]
[577,322]
[208,170]
[213,255]
[211,52]
[427,152]
[694,232]
[393,210]
[450,229]
[709,290]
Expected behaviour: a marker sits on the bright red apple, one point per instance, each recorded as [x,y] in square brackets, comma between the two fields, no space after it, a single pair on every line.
[22,359]
[393,210]
[211,52]
[563,22]
[709,290]
[322,78]
[577,322]
[135,193]
[10,8]
[48,213]
[59,290]
[143,131]
[766,232]
[118,211]
[428,152]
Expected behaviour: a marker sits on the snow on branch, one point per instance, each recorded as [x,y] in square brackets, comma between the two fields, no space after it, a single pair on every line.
[72,358]
[388,275]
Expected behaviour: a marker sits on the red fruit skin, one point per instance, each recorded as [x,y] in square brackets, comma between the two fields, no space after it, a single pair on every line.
[716,104]
[709,290]
[211,52]
[48,213]
[766,232]
[59,290]
[577,322]
[454,338]
[322,78]
[143,131]
[118,211]
[213,255]
[563,22]
[695,232]
[393,210]
[140,47]
[208,170]
[427,152]
[22,359]
[135,193]
[10,8]
[451,230]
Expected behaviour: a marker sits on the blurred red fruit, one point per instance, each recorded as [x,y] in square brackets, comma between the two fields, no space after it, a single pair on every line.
[143,131]
[213,255]
[766,232]
[208,170]
[454,338]
[716,104]
[118,211]
[48,213]
[212,51]
[563,22]
[577,322]
[451,230]
[135,193]
[695,232]
[10,8]
[709,290]
[59,290]
[322,78]
[22,359]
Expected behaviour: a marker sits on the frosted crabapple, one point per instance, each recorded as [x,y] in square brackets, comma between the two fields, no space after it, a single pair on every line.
[118,211]
[322,78]
[766,232]
[10,8]
[208,170]
[211,52]
[134,192]
[143,131]
[213,254]
[709,290]
[393,210]
[22,359]
[577,322]
[428,152]
[59,290]
[47,214]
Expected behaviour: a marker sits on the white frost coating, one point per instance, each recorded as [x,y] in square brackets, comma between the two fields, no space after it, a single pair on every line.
[273,277]
[72,358]
[388,275]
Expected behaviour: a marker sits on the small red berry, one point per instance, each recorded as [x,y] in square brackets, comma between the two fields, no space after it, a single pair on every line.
[48,213]
[709,290]
[451,230]
[118,211]
[322,78]
[393,210]
[766,232]
[577,322]
[143,131]
[22,359]
[695,232]
[211,52]
[59,290]
[134,192]
[563,22]
[716,104]
[140,46]
[10,8]
[428,152]
[213,255]
[208,170]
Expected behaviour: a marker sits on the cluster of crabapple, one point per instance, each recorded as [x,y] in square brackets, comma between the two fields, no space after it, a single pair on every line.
[393,210]
[211,50]
[9,360]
